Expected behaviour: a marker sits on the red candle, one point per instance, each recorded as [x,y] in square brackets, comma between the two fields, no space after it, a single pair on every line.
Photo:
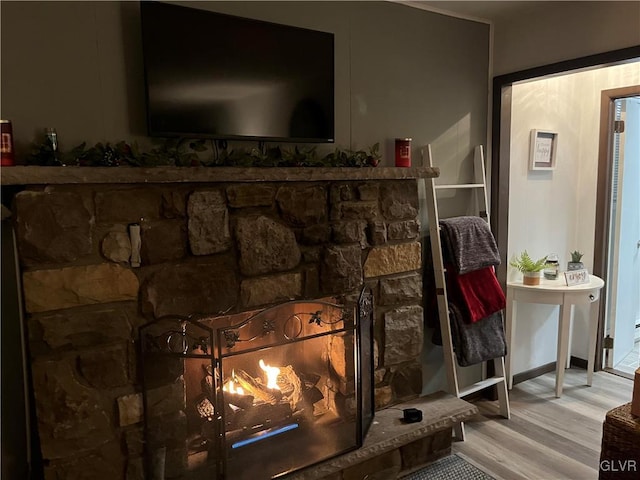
[403,152]
[7,155]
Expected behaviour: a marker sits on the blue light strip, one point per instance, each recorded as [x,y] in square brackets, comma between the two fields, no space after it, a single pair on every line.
[264,435]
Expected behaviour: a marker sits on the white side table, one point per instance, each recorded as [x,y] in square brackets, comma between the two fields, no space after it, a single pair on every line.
[555,292]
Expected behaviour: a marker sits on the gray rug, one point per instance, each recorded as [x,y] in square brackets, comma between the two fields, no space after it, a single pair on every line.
[452,467]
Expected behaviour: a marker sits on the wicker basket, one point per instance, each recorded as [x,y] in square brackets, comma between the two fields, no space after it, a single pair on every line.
[620,454]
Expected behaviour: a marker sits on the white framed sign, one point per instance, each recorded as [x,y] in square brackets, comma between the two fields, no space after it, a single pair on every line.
[577,277]
[543,149]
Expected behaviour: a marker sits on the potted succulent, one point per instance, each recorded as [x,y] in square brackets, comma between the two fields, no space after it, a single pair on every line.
[575,263]
[531,269]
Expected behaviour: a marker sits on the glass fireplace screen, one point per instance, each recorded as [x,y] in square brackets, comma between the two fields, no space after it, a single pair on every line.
[257,395]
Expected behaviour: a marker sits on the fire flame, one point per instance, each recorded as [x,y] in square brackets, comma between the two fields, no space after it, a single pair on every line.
[230,386]
[272,375]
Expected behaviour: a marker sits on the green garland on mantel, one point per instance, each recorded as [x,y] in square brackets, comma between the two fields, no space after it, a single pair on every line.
[182,152]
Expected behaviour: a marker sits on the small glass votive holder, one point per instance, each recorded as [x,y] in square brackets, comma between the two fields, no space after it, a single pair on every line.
[552,266]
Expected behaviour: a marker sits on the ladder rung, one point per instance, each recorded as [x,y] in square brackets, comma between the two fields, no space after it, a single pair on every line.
[462,185]
[480,386]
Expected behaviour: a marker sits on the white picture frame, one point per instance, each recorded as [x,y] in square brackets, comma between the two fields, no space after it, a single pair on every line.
[543,150]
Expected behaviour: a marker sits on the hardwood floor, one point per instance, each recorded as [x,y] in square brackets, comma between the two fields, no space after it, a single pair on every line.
[547,438]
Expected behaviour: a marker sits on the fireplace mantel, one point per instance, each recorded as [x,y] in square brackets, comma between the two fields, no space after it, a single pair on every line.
[32,175]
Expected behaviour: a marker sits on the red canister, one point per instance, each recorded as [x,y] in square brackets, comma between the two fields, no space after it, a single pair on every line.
[403,152]
[7,155]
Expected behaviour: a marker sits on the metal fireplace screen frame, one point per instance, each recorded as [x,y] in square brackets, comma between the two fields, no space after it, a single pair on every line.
[321,404]
[178,417]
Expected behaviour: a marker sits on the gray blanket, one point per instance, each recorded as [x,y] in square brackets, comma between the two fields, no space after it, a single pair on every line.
[479,341]
[469,243]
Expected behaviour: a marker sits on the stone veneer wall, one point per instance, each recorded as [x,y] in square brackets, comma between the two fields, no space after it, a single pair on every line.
[206,248]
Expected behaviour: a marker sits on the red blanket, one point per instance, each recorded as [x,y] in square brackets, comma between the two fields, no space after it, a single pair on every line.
[480,291]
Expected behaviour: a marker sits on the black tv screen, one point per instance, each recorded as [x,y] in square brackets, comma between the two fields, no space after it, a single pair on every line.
[220,76]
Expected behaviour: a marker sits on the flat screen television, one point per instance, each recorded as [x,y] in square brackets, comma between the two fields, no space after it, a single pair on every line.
[213,75]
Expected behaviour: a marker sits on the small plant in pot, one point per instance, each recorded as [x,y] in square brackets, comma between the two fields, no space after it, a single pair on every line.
[575,263]
[531,269]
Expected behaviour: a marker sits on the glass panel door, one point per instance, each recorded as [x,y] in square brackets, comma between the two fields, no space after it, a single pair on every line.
[623,296]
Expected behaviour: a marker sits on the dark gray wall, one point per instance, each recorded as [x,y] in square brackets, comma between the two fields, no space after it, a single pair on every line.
[400,72]
[542,33]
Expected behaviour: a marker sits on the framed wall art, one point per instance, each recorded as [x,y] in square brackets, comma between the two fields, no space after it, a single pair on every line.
[542,153]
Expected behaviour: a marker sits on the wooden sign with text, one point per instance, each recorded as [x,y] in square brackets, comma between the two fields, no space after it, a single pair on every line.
[577,277]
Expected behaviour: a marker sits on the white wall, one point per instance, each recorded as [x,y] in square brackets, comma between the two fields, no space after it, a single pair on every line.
[554,211]
[549,32]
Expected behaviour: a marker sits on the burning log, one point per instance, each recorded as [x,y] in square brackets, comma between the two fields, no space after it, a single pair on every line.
[205,408]
[258,417]
[310,379]
[258,390]
[313,395]
[239,400]
[290,385]
[207,385]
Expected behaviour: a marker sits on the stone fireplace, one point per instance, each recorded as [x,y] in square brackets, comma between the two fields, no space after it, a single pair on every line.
[285,386]
[215,243]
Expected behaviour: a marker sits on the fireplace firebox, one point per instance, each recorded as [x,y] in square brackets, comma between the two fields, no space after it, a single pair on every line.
[258,394]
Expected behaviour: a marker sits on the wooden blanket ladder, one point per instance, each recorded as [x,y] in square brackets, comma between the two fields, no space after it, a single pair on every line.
[480,200]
